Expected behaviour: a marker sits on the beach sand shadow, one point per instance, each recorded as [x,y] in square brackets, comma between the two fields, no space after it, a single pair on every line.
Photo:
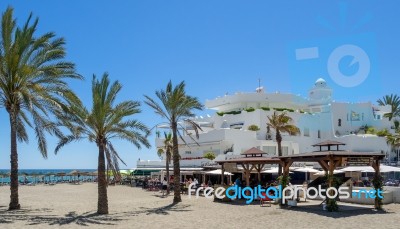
[86,219]
[345,211]
[37,216]
[24,214]
[164,210]
[161,196]
[242,202]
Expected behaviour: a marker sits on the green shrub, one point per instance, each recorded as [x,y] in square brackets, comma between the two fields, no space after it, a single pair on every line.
[250,109]
[383,133]
[266,108]
[397,125]
[209,155]
[253,128]
[233,112]
[220,113]
[284,109]
[370,130]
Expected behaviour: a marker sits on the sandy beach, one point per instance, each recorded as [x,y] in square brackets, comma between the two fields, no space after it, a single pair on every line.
[74,206]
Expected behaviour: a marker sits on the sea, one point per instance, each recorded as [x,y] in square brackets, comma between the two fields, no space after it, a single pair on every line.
[43,175]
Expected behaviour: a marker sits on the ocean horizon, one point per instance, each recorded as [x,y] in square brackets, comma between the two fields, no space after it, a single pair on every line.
[45,171]
[45,175]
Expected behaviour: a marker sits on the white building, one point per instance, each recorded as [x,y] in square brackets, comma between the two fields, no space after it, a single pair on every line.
[318,117]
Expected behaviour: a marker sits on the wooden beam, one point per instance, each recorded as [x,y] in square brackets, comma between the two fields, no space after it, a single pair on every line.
[324,165]
[286,166]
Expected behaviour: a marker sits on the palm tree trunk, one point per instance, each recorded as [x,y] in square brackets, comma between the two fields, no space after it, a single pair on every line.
[14,202]
[279,141]
[168,159]
[102,203]
[175,158]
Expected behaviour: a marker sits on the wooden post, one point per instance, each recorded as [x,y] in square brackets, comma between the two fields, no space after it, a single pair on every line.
[259,167]
[376,166]
[330,172]
[324,166]
[247,171]
[222,174]
[285,174]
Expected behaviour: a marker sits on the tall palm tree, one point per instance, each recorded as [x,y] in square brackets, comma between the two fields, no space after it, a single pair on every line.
[394,102]
[33,85]
[176,106]
[281,123]
[167,149]
[105,121]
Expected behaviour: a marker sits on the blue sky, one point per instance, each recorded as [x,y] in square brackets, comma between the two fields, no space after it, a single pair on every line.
[216,47]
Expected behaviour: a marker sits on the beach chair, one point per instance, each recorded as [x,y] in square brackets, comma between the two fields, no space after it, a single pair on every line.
[266,199]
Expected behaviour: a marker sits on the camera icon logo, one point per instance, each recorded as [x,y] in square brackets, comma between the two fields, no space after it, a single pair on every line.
[358,56]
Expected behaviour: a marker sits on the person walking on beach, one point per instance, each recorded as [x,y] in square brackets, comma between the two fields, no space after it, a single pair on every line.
[238,182]
[164,186]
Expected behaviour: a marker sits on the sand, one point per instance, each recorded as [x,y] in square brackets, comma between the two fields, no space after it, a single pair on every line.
[74,206]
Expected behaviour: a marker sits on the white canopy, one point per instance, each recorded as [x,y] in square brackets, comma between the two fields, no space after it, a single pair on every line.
[218,172]
[306,170]
[322,173]
[271,170]
[369,169]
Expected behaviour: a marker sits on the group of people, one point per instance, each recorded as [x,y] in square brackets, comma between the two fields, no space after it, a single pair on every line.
[165,185]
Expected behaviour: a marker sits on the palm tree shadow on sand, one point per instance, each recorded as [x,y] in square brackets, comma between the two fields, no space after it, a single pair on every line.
[165,210]
[344,211]
[36,216]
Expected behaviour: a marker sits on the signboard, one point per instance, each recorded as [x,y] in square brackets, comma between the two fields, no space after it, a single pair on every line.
[230,167]
[209,164]
[357,161]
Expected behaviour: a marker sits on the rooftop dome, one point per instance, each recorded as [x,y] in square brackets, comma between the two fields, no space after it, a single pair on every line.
[320,83]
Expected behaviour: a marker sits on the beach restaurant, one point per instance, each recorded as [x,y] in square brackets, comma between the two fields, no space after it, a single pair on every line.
[328,156]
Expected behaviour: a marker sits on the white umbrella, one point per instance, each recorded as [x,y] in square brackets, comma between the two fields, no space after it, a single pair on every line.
[218,172]
[322,173]
[355,168]
[272,170]
[306,170]
[382,169]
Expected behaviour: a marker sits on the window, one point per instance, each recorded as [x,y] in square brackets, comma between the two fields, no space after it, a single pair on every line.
[306,132]
[339,122]
[285,150]
[188,152]
[271,150]
[355,116]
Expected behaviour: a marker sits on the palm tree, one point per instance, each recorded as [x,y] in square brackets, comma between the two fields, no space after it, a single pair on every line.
[394,142]
[167,149]
[105,121]
[33,86]
[394,102]
[176,106]
[281,124]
